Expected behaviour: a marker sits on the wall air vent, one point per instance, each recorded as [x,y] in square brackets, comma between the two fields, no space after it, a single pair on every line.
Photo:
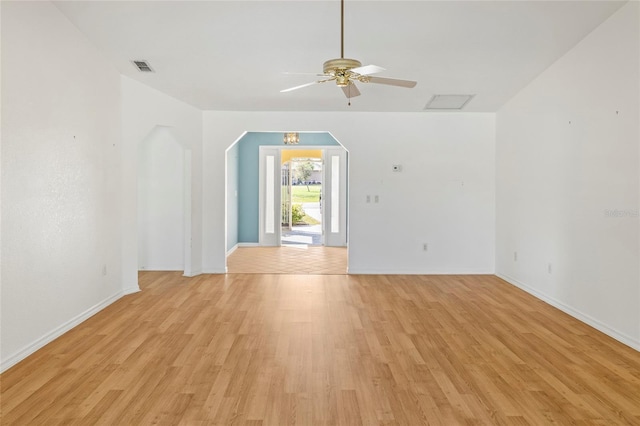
[448,102]
[143,66]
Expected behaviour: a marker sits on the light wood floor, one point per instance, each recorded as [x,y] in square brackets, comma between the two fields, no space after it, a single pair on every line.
[318,260]
[326,350]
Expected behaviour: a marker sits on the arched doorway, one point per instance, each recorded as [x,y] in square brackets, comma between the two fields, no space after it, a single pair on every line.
[164,204]
[257,207]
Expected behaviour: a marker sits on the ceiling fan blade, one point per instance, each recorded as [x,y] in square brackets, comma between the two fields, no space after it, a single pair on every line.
[298,87]
[306,85]
[351,90]
[392,82]
[367,69]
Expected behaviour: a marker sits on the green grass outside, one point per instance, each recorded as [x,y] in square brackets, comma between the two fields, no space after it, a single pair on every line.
[303,195]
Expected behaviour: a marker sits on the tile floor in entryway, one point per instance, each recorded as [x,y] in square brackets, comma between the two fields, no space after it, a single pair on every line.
[298,259]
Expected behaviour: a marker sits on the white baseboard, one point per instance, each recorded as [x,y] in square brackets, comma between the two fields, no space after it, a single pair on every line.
[130,290]
[18,356]
[192,274]
[457,271]
[214,271]
[587,319]
[238,245]
[160,268]
[232,249]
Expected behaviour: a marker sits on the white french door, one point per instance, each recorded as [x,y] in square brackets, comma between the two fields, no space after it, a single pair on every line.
[334,197]
[269,196]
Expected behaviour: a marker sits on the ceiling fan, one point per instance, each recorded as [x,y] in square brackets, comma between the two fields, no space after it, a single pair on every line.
[345,72]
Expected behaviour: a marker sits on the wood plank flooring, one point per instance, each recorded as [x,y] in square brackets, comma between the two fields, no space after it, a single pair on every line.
[302,259]
[252,349]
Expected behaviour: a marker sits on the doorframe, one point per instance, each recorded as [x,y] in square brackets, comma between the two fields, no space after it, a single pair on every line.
[281,148]
[319,159]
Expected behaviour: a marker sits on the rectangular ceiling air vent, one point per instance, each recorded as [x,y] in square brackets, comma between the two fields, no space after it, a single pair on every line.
[143,66]
[448,102]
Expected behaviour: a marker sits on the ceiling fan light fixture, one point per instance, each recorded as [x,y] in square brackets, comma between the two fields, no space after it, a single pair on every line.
[342,80]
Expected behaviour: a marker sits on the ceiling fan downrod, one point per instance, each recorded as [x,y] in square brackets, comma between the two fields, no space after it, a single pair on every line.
[342,29]
[339,67]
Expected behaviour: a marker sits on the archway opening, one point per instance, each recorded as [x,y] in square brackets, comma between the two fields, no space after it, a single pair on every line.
[245,187]
[163,206]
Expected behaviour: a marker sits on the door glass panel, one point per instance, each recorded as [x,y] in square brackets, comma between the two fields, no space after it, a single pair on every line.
[269,196]
[335,193]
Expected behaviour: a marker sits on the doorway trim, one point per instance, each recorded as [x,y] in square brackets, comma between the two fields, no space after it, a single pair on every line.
[235,140]
[276,240]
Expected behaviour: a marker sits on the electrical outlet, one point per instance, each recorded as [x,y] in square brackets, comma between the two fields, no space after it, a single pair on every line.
[425,247]
[368,198]
[376,199]
[515,256]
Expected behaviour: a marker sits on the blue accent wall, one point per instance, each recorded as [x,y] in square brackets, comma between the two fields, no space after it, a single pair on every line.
[248,181]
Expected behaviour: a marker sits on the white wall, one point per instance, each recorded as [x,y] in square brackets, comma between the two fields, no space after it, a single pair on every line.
[161,207]
[232,165]
[568,153]
[60,178]
[143,109]
[444,196]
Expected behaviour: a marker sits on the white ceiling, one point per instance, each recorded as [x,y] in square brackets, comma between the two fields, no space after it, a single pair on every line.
[233,55]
